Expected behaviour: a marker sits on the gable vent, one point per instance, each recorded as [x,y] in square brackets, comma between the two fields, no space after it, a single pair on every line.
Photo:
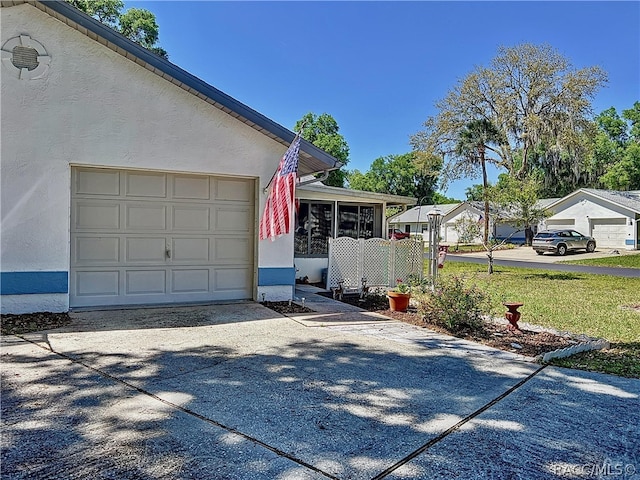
[25,57]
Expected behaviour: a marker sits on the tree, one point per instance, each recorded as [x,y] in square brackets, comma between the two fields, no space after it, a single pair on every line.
[617,148]
[534,97]
[467,229]
[323,131]
[396,175]
[518,202]
[137,24]
[470,152]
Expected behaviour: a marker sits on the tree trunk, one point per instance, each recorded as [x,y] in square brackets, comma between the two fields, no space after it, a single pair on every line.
[528,235]
[485,185]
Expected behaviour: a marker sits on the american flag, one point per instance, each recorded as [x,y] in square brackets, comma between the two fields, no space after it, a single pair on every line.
[276,218]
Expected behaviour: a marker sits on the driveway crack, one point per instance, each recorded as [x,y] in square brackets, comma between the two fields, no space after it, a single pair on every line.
[455,427]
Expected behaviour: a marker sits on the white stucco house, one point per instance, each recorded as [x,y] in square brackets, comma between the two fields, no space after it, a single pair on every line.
[325,212]
[125,179]
[416,220]
[611,217]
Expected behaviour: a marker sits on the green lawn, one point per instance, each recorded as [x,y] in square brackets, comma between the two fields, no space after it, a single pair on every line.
[596,305]
[624,261]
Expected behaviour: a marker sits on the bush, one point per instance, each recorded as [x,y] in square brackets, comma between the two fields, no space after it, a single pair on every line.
[454,306]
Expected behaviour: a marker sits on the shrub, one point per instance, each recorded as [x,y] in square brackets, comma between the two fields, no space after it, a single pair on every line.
[454,305]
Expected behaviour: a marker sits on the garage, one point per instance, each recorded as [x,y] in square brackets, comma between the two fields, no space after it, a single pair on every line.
[144,237]
[609,232]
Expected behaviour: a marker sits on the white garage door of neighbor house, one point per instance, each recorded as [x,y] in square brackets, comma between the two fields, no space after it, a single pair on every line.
[560,223]
[609,232]
[141,237]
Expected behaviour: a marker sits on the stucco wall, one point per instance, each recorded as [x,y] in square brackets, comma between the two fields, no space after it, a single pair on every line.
[94,107]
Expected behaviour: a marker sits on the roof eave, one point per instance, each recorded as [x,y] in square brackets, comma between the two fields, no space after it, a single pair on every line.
[312,159]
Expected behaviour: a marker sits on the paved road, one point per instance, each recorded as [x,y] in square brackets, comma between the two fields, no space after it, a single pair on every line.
[563,267]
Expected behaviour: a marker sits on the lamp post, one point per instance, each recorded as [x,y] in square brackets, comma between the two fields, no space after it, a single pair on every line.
[435,217]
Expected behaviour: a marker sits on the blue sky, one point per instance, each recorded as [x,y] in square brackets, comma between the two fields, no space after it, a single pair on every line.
[379,67]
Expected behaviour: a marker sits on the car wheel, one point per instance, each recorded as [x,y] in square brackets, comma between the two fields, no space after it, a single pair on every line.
[591,247]
[539,252]
[562,250]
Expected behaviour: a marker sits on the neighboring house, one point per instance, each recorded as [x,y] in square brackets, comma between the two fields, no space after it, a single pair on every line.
[611,217]
[125,179]
[507,229]
[325,212]
[416,220]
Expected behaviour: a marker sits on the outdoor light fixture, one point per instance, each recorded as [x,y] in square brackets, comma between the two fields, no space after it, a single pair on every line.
[435,217]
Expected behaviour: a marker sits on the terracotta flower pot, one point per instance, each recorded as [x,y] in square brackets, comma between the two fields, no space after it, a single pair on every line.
[398,302]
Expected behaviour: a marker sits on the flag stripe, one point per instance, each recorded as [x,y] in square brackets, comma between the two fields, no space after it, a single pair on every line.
[276,218]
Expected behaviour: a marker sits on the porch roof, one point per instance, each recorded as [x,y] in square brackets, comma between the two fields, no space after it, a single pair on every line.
[319,191]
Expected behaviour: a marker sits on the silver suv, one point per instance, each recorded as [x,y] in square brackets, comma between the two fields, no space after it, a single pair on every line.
[561,241]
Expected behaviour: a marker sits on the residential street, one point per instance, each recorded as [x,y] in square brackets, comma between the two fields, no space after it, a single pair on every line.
[525,257]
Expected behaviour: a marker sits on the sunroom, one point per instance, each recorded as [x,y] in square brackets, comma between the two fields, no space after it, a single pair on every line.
[324,212]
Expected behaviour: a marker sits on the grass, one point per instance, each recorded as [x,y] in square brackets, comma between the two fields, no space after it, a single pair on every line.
[601,306]
[623,261]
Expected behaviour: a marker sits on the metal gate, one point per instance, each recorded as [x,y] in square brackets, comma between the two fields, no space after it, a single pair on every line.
[377,261]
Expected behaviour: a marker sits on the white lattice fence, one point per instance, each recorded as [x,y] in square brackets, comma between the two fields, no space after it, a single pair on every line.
[377,260]
[408,256]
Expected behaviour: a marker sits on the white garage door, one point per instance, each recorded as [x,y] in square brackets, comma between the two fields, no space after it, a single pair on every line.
[151,238]
[560,223]
[609,232]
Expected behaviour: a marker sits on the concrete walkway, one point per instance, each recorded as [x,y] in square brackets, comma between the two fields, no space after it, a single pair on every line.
[239,392]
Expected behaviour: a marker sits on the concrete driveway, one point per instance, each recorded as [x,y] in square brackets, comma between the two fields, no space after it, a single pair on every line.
[240,392]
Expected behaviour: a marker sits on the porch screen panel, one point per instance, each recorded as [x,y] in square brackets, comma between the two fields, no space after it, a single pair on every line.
[313,229]
[366,222]
[348,221]
[320,228]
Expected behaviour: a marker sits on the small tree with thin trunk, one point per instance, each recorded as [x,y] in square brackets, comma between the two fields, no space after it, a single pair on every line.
[475,140]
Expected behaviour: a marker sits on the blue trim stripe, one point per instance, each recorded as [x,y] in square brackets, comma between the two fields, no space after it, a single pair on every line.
[276,276]
[26,283]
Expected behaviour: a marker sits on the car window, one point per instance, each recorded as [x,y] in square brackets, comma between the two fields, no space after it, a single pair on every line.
[576,234]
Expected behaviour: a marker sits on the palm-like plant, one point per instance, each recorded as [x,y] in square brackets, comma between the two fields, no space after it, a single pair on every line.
[474,140]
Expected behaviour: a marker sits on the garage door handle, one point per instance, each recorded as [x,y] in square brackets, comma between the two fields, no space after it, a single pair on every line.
[168,253]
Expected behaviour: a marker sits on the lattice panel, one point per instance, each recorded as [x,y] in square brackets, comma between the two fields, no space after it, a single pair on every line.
[343,262]
[376,261]
[408,258]
[380,261]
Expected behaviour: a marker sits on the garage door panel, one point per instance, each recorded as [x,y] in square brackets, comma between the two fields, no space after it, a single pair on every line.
[234,190]
[125,221]
[190,281]
[191,250]
[231,278]
[191,187]
[194,218]
[92,283]
[146,217]
[233,249]
[146,184]
[96,216]
[97,182]
[92,250]
[229,219]
[145,249]
[145,282]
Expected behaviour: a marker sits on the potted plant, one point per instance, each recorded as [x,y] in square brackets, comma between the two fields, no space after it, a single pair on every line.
[399,296]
